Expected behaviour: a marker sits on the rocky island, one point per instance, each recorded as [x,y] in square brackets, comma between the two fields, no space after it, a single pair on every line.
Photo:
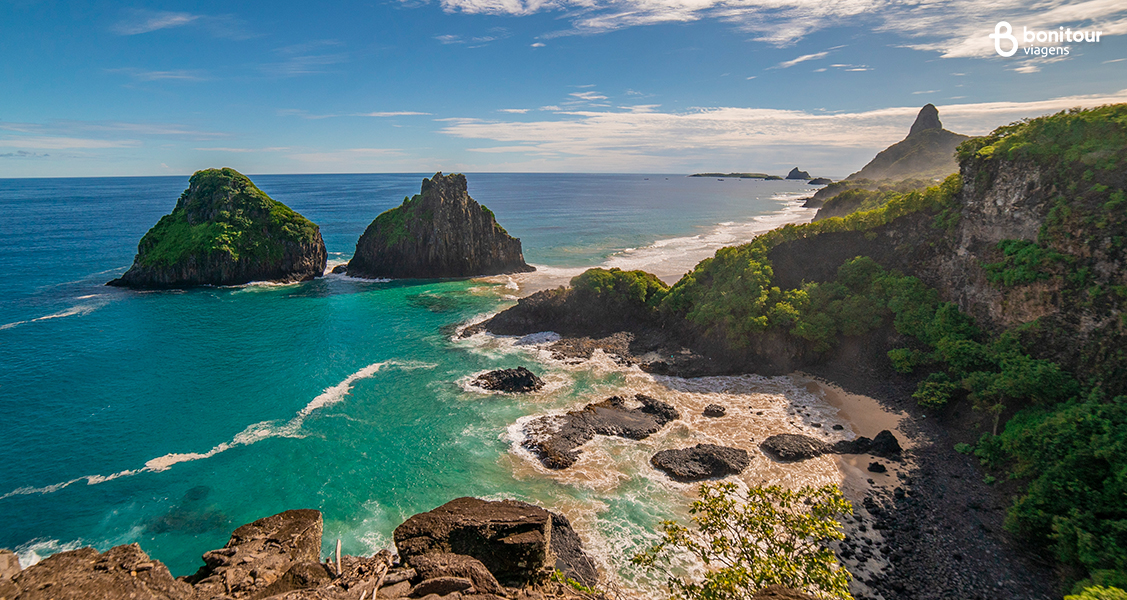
[226,231]
[441,232]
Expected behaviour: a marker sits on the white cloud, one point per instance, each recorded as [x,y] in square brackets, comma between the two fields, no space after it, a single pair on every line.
[588,96]
[245,150]
[146,21]
[801,59]
[638,140]
[925,92]
[174,75]
[953,28]
[515,111]
[550,108]
[64,143]
[538,45]
[397,113]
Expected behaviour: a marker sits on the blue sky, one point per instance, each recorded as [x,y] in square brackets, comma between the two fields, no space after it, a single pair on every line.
[104,88]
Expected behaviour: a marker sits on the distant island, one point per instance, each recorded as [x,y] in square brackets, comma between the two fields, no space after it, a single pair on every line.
[794,173]
[734,175]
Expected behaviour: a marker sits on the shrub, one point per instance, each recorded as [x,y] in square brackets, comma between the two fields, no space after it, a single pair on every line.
[770,536]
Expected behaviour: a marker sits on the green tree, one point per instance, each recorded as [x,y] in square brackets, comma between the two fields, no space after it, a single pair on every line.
[1099,593]
[769,536]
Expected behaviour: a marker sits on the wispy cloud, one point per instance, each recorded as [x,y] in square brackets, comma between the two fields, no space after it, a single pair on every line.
[174,75]
[515,111]
[952,28]
[245,150]
[306,58]
[588,96]
[22,154]
[64,143]
[603,140]
[801,59]
[538,45]
[924,92]
[138,22]
[397,113]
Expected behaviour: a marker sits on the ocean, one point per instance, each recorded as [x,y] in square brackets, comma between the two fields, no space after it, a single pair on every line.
[170,418]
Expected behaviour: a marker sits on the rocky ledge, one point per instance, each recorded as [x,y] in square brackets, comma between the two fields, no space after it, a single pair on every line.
[441,232]
[703,461]
[467,549]
[226,231]
[518,380]
[555,439]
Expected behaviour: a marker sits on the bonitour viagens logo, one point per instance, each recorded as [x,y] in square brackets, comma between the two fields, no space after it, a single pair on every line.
[1036,43]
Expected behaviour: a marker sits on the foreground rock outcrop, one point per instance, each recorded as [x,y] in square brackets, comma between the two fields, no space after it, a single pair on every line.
[466,549]
[226,231]
[555,439]
[441,232]
[703,461]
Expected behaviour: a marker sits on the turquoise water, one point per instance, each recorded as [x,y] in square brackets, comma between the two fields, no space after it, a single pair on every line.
[169,418]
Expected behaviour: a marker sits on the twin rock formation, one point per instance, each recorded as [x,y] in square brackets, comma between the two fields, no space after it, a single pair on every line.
[226,231]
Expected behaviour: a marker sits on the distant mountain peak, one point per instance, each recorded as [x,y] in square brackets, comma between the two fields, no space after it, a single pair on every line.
[927,119]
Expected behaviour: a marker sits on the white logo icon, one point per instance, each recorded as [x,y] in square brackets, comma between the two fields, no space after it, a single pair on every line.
[998,36]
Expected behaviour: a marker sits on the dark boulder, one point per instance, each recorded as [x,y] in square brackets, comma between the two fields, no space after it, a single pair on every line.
[858,445]
[340,269]
[876,467]
[571,559]
[555,439]
[437,565]
[510,538]
[703,461]
[518,380]
[885,444]
[714,410]
[441,232]
[789,447]
[226,231]
[441,586]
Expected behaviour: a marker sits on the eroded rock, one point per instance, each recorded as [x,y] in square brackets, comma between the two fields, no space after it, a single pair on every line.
[555,439]
[703,461]
[518,380]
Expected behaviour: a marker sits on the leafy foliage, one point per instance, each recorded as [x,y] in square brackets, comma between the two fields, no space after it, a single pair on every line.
[771,536]
[1099,593]
[620,288]
[1023,262]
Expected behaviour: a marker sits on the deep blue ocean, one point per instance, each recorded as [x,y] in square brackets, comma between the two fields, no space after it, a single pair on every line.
[169,418]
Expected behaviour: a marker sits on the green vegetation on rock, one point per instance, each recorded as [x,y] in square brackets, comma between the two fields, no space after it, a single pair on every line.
[768,536]
[222,211]
[635,289]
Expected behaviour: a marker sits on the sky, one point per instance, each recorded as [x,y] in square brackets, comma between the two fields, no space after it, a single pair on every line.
[638,86]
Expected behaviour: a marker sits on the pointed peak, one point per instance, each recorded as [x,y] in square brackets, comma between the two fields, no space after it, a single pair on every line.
[927,119]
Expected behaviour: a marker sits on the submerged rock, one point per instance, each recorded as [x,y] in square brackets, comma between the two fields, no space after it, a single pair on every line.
[226,231]
[555,439]
[714,410]
[441,232]
[703,461]
[517,380]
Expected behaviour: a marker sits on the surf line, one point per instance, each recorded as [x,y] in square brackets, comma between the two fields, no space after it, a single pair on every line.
[251,435]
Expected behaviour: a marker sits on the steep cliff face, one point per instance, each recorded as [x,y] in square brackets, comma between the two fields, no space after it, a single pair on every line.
[441,232]
[226,231]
